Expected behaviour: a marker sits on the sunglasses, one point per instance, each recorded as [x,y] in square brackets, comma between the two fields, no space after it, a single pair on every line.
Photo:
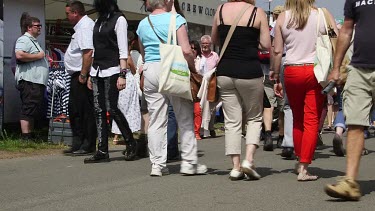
[38,25]
[192,48]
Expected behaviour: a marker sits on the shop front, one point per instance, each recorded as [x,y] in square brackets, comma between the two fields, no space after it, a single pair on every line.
[58,31]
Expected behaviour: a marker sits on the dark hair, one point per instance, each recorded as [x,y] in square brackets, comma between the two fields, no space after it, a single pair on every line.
[23,26]
[178,8]
[197,47]
[106,7]
[77,6]
[29,22]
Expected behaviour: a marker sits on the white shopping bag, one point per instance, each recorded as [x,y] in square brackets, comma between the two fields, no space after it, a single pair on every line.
[175,75]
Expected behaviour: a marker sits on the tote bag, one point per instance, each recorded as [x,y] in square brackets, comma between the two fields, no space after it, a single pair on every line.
[323,58]
[175,75]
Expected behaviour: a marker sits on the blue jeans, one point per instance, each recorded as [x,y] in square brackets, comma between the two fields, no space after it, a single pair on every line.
[172,136]
[340,118]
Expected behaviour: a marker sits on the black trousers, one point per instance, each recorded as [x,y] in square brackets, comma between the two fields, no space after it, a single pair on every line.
[32,98]
[82,115]
[106,99]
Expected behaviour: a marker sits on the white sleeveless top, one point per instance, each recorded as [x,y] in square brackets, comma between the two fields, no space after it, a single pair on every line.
[300,44]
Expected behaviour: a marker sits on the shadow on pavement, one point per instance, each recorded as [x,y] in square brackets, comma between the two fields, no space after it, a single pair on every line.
[325,173]
[218,172]
[367,187]
[264,172]
[319,155]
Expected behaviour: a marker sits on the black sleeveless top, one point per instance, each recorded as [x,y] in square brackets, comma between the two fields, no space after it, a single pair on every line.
[240,59]
[105,42]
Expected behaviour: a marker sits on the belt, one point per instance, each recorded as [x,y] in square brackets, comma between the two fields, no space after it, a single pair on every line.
[299,65]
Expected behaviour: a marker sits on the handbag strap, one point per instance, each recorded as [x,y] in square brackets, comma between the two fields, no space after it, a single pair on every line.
[153,29]
[328,21]
[324,22]
[231,30]
[172,31]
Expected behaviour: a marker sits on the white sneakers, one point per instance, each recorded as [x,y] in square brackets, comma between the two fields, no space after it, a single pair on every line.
[186,169]
[158,172]
[249,170]
[236,175]
[192,169]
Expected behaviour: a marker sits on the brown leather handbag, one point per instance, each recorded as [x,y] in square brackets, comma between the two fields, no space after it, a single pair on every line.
[212,92]
[195,83]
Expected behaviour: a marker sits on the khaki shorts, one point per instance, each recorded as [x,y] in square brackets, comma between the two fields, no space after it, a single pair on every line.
[280,103]
[271,96]
[359,96]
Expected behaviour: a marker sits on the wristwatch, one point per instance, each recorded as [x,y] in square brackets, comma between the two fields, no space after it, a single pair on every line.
[83,76]
[123,72]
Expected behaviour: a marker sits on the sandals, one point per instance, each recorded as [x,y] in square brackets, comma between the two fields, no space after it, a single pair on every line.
[305,177]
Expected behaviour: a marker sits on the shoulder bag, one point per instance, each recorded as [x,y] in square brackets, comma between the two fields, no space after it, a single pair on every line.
[174,78]
[195,78]
[212,93]
[324,53]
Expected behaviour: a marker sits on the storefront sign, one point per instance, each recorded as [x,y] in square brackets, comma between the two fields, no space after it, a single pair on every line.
[197,9]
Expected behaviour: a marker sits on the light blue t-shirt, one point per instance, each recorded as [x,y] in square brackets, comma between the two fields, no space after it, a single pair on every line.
[148,37]
[35,71]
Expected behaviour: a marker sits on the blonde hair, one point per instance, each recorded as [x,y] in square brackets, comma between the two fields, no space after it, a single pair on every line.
[300,12]
[247,1]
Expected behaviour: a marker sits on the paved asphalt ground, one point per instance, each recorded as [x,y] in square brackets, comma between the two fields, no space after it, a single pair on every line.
[64,183]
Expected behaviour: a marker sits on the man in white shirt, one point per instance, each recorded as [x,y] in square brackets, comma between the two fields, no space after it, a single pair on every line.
[78,59]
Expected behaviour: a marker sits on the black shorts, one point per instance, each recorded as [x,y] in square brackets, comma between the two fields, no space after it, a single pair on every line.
[32,98]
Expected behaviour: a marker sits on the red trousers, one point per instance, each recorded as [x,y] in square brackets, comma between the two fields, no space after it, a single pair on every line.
[306,102]
[197,118]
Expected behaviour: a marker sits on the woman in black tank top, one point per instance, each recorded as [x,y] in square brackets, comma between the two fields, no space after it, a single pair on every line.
[240,80]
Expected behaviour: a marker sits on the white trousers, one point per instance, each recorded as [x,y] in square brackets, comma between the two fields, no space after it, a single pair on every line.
[158,110]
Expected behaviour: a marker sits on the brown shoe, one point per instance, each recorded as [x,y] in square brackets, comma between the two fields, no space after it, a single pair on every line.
[346,189]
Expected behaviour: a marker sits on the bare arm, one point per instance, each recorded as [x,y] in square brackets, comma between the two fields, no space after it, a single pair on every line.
[131,65]
[278,46]
[27,57]
[183,41]
[342,46]
[141,49]
[214,34]
[265,39]
[86,65]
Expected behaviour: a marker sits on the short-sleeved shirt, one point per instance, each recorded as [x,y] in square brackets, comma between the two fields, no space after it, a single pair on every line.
[211,61]
[81,40]
[35,71]
[148,37]
[363,14]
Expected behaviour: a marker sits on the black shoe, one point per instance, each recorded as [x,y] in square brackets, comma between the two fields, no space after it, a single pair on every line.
[280,141]
[131,150]
[69,151]
[338,147]
[82,152]
[212,133]
[28,137]
[287,152]
[268,143]
[98,158]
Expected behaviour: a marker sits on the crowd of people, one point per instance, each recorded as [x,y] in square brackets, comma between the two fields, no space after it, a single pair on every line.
[116,71]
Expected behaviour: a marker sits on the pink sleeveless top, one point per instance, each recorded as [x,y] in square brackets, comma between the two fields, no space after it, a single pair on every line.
[300,44]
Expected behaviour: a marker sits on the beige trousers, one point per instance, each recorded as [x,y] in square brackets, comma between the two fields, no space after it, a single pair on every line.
[241,95]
